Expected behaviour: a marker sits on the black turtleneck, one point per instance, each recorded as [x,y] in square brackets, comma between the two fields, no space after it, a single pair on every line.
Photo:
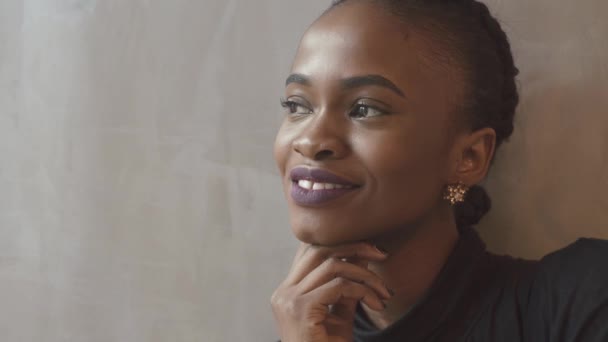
[480,296]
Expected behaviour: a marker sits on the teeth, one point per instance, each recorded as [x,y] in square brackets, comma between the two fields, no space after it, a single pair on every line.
[318,186]
[308,185]
[305,184]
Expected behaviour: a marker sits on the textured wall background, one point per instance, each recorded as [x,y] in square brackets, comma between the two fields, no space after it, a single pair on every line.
[138,196]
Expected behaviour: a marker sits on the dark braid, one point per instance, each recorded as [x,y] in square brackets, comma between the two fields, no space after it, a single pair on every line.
[467,29]
[509,98]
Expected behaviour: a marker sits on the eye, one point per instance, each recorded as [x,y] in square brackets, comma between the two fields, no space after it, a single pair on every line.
[361,111]
[293,107]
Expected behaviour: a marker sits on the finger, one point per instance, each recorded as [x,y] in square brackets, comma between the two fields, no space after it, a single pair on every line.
[301,250]
[344,310]
[340,325]
[337,320]
[359,262]
[339,289]
[336,268]
[312,256]
[338,339]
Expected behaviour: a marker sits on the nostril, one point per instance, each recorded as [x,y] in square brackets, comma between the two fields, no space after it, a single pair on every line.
[323,154]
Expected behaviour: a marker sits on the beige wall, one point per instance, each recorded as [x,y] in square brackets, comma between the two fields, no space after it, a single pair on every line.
[550,183]
[138,196]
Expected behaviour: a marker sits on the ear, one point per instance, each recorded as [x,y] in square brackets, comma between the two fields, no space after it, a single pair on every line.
[474,153]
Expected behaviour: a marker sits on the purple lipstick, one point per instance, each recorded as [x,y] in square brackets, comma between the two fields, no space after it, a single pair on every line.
[317,186]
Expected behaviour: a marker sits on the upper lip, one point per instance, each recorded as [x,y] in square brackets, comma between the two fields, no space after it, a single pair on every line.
[318,176]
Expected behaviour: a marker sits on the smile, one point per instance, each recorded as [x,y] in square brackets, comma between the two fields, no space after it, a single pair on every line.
[315,194]
[313,187]
[310,185]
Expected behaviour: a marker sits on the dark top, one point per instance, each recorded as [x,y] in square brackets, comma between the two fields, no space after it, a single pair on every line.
[480,296]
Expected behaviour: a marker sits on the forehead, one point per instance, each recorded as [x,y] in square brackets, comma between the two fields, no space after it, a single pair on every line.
[359,38]
[354,37]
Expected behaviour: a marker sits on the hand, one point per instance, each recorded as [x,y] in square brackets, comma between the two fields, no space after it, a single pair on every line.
[317,300]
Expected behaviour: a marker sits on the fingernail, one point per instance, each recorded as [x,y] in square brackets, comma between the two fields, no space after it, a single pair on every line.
[381,250]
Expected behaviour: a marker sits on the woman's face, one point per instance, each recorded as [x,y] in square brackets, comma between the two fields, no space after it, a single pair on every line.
[365,145]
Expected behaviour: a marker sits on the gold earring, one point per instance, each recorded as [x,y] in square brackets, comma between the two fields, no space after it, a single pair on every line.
[455,193]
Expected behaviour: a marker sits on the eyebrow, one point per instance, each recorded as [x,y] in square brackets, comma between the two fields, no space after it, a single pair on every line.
[297,78]
[351,82]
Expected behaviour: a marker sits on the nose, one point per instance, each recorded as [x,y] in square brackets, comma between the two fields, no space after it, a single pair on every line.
[322,138]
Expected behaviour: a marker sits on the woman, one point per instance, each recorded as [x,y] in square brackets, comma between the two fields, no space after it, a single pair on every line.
[394,110]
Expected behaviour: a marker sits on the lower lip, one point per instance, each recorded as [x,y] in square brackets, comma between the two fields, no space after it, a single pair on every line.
[315,197]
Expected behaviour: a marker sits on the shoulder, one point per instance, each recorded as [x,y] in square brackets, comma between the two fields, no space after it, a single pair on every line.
[576,276]
[582,263]
[571,291]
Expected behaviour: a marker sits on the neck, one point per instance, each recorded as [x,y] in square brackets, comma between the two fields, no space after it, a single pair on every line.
[416,256]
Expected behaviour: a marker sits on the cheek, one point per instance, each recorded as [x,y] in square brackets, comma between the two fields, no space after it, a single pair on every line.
[405,167]
[282,147]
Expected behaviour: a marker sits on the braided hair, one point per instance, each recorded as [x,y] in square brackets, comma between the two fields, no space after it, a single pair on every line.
[467,30]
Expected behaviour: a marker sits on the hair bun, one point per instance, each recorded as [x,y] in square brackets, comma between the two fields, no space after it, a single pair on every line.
[476,204]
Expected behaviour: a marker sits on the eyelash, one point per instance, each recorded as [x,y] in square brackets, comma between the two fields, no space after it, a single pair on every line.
[362,105]
[288,104]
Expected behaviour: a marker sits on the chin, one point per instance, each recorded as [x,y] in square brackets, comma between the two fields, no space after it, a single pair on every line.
[314,229]
[320,236]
